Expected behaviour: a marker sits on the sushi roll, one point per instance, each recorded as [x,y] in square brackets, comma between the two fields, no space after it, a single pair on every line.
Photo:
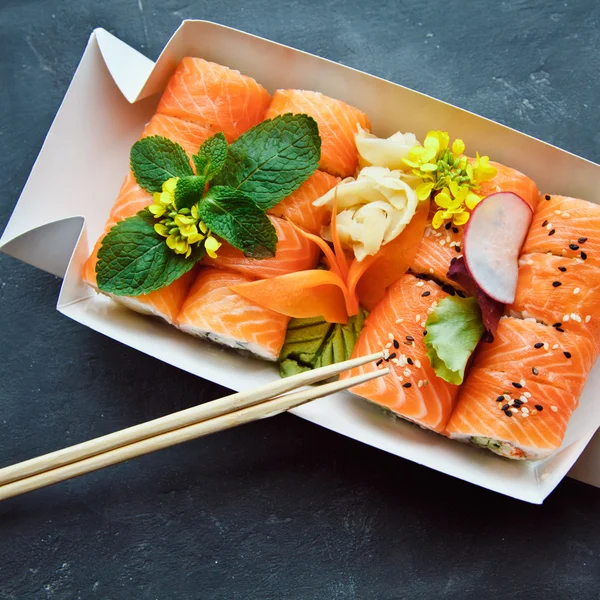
[412,390]
[338,125]
[298,206]
[294,253]
[215,96]
[213,311]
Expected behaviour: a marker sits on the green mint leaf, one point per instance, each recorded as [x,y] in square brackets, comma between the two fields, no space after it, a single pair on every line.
[272,159]
[135,260]
[313,342]
[155,159]
[233,216]
[188,191]
[211,157]
[454,329]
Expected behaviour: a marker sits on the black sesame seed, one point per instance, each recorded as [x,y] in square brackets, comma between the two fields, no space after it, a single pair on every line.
[499,398]
[582,240]
[508,413]
[552,232]
[535,371]
[517,384]
[545,223]
[425,332]
[556,283]
[560,329]
[457,248]
[454,259]
[406,385]
[410,361]
[583,255]
[538,345]
[455,229]
[425,294]
[505,407]
[562,269]
[539,407]
[379,361]
[574,246]
[557,325]
[410,338]
[518,403]
[396,344]
[392,355]
[408,343]
[567,354]
[547,197]
[447,226]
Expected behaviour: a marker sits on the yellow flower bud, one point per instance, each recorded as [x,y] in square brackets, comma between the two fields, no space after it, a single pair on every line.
[458,147]
[212,245]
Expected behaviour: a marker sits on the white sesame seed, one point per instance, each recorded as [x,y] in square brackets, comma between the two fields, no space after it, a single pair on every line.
[391,337]
[578,260]
[566,215]
[524,414]
[386,354]
[522,398]
[524,409]
[522,382]
[431,271]
[506,397]
[563,251]
[406,372]
[395,361]
[527,394]
[557,212]
[417,318]
[418,363]
[588,319]
[422,323]
[566,318]
[511,402]
[576,291]
[420,383]
[448,238]
[400,378]
[420,283]
[442,242]
[577,318]
[549,226]
[574,316]
[388,345]
[546,346]
[555,346]
[398,321]
[554,408]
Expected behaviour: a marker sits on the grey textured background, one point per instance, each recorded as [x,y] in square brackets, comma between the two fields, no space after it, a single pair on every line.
[278,509]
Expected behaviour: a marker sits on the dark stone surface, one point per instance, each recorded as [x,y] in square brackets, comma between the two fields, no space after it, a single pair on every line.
[282,508]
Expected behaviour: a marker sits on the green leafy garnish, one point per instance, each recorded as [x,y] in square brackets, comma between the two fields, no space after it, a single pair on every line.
[211,157]
[313,342]
[135,260]
[233,216]
[188,191]
[155,159]
[454,329]
[273,159]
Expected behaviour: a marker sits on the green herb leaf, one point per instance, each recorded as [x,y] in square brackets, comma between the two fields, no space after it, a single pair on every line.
[454,329]
[211,157]
[155,159]
[135,260]
[188,191]
[272,159]
[233,216]
[313,342]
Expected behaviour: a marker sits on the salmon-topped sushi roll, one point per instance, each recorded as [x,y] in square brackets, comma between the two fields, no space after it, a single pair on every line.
[215,96]
[212,310]
[188,134]
[565,227]
[294,253]
[412,390]
[338,124]
[298,206]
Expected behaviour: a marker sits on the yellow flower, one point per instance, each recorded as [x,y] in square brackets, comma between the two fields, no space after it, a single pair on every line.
[472,200]
[169,185]
[203,227]
[483,171]
[458,147]
[461,218]
[161,229]
[438,219]
[212,245]
[423,190]
[157,210]
[437,140]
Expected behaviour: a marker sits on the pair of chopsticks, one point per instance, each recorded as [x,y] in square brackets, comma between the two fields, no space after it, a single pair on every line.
[218,415]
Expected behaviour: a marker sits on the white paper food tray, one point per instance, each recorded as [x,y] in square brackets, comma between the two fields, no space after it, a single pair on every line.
[75,180]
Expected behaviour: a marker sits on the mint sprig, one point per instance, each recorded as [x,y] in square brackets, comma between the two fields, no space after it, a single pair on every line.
[155,159]
[236,218]
[211,157]
[273,159]
[134,260]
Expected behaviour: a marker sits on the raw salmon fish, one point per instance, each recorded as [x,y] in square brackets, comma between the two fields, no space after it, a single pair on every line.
[189,135]
[294,253]
[539,353]
[298,206]
[131,199]
[565,227]
[412,391]
[212,310]
[523,431]
[561,292]
[439,247]
[214,96]
[338,124]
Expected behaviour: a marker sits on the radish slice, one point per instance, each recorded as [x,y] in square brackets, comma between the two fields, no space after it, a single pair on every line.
[493,238]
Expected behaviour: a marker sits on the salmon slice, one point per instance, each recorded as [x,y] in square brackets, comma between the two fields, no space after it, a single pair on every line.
[562,360]
[412,391]
[565,227]
[559,291]
[338,124]
[131,199]
[212,310]
[294,253]
[298,206]
[189,135]
[214,96]
[479,416]
[439,247]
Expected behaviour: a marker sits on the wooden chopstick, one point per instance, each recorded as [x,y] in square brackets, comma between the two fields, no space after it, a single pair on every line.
[147,445]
